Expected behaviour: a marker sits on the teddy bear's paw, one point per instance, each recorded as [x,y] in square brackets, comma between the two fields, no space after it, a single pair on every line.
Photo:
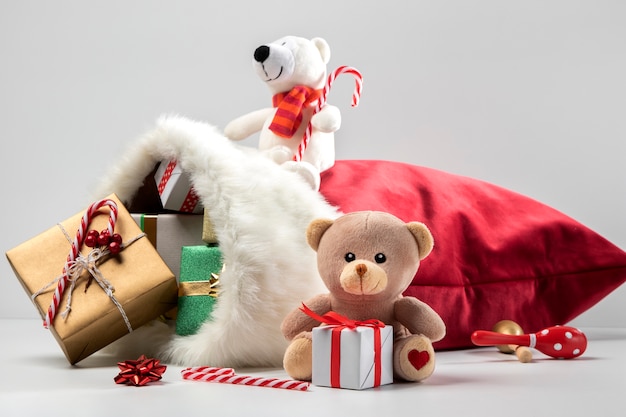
[414,358]
[279,154]
[298,359]
[306,170]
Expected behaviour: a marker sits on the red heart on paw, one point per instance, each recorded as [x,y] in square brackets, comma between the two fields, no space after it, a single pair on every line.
[418,358]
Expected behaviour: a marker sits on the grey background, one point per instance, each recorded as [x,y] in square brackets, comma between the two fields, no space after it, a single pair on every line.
[529,95]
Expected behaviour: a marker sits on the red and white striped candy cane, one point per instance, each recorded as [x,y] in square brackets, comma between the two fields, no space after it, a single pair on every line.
[201,373]
[228,376]
[75,250]
[321,102]
[258,381]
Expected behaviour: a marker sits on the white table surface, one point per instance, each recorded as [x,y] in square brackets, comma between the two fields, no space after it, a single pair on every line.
[36,379]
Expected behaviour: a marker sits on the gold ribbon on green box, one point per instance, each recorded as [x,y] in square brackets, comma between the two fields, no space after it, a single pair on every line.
[208,233]
[197,295]
[191,288]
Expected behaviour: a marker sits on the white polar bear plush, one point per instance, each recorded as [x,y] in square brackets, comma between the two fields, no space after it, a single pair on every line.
[294,70]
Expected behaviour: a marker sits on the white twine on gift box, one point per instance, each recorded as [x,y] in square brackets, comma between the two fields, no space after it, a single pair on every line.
[75,244]
[75,269]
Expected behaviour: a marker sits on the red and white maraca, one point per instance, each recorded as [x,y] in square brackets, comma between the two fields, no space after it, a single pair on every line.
[561,342]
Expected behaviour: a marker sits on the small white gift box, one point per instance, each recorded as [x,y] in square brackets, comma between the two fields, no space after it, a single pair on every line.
[175,189]
[354,358]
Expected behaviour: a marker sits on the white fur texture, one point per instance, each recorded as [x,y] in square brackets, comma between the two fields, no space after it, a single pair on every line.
[260,213]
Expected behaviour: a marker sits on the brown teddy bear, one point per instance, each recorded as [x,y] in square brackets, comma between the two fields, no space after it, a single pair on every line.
[367,259]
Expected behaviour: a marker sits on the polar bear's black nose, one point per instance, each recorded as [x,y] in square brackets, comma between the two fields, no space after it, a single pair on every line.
[261,53]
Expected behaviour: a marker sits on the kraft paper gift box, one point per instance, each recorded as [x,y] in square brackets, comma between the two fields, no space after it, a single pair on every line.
[143,286]
[175,190]
[170,232]
[198,287]
[345,357]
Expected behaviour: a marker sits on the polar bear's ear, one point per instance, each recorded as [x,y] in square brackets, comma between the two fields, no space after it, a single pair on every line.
[315,231]
[323,47]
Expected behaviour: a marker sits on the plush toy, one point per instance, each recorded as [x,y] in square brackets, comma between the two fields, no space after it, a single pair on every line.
[366,260]
[262,241]
[296,132]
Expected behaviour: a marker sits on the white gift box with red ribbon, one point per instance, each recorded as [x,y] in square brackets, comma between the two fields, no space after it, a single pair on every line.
[353,358]
[175,189]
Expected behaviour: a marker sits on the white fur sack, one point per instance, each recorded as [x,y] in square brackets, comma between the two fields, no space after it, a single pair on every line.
[260,213]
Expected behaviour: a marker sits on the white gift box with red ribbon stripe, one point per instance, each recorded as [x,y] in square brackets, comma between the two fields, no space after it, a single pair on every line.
[352,358]
[175,189]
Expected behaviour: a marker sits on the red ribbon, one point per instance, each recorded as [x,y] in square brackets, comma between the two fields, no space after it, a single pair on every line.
[340,323]
[139,372]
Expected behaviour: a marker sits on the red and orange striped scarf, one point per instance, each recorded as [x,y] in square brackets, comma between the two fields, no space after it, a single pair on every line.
[289,109]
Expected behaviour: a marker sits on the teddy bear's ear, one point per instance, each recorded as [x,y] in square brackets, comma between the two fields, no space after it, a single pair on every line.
[323,47]
[423,237]
[315,231]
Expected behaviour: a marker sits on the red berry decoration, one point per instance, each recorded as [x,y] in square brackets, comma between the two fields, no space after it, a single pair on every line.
[115,247]
[91,241]
[104,238]
[116,238]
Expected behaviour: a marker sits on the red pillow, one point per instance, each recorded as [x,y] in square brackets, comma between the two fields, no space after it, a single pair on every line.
[498,254]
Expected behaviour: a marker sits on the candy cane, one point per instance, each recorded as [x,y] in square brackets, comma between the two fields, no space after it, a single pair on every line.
[321,102]
[202,372]
[227,376]
[75,250]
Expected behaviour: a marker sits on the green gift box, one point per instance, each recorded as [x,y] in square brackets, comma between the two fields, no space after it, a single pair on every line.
[200,267]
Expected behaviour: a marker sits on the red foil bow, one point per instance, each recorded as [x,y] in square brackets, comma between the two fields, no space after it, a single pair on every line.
[139,372]
[340,323]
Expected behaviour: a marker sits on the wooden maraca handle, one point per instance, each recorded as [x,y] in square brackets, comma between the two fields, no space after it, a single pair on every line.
[557,341]
[523,353]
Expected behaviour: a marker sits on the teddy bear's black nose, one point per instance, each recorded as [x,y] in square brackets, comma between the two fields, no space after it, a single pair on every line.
[261,53]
